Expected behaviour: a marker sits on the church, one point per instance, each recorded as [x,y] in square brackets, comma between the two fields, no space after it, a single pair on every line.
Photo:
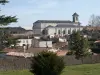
[58,27]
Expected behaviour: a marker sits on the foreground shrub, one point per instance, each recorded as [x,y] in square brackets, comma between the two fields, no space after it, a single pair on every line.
[47,63]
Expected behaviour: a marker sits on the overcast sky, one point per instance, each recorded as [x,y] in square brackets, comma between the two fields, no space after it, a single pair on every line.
[28,11]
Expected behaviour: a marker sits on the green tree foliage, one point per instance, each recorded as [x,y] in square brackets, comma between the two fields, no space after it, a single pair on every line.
[78,45]
[6,40]
[47,63]
[5,20]
[3,39]
[12,41]
[3,1]
[55,40]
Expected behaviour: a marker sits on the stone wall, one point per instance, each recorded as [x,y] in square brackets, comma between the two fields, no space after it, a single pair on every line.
[17,63]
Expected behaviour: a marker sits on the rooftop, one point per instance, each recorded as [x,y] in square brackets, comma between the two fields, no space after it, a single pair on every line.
[53,21]
[12,28]
[75,14]
[68,25]
[50,26]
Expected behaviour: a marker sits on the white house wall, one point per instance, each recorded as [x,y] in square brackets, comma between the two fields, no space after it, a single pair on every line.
[51,31]
[43,25]
[38,28]
[45,44]
[24,41]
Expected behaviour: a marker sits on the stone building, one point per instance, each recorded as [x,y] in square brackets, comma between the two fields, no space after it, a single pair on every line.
[58,27]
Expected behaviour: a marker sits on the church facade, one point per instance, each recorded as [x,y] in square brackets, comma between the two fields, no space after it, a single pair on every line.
[58,27]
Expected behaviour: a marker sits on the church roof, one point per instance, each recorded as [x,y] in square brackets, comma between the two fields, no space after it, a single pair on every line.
[68,25]
[75,14]
[49,26]
[53,21]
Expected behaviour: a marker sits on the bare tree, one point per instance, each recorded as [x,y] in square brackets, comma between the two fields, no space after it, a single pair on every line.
[94,20]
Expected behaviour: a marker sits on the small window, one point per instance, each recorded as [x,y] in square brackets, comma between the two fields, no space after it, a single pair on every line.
[23,41]
[77,18]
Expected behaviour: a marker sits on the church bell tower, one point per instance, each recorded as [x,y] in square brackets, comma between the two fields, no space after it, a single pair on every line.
[75,17]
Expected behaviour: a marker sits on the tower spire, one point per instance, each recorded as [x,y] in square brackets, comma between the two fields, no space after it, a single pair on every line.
[75,17]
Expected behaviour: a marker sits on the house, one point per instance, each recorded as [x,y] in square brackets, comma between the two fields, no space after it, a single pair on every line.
[36,43]
[58,27]
[17,31]
[24,36]
[13,30]
[24,42]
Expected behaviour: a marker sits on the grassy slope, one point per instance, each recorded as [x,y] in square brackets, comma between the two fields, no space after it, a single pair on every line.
[22,72]
[89,69]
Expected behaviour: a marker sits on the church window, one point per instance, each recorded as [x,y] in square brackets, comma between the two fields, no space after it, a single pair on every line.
[64,32]
[59,32]
[23,41]
[77,18]
[69,32]
[44,32]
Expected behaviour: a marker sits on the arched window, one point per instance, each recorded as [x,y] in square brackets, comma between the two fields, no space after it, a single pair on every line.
[59,32]
[64,32]
[44,32]
[69,32]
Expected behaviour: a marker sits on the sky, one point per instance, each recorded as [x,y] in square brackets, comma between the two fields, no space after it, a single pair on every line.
[28,11]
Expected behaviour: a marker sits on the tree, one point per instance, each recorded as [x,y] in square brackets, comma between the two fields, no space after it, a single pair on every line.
[7,40]
[47,63]
[11,41]
[3,39]
[3,1]
[5,20]
[78,45]
[55,40]
[94,20]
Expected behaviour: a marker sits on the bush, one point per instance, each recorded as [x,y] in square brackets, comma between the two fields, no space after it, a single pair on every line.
[70,53]
[47,63]
[92,39]
[45,38]
[55,40]
[95,50]
[91,44]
